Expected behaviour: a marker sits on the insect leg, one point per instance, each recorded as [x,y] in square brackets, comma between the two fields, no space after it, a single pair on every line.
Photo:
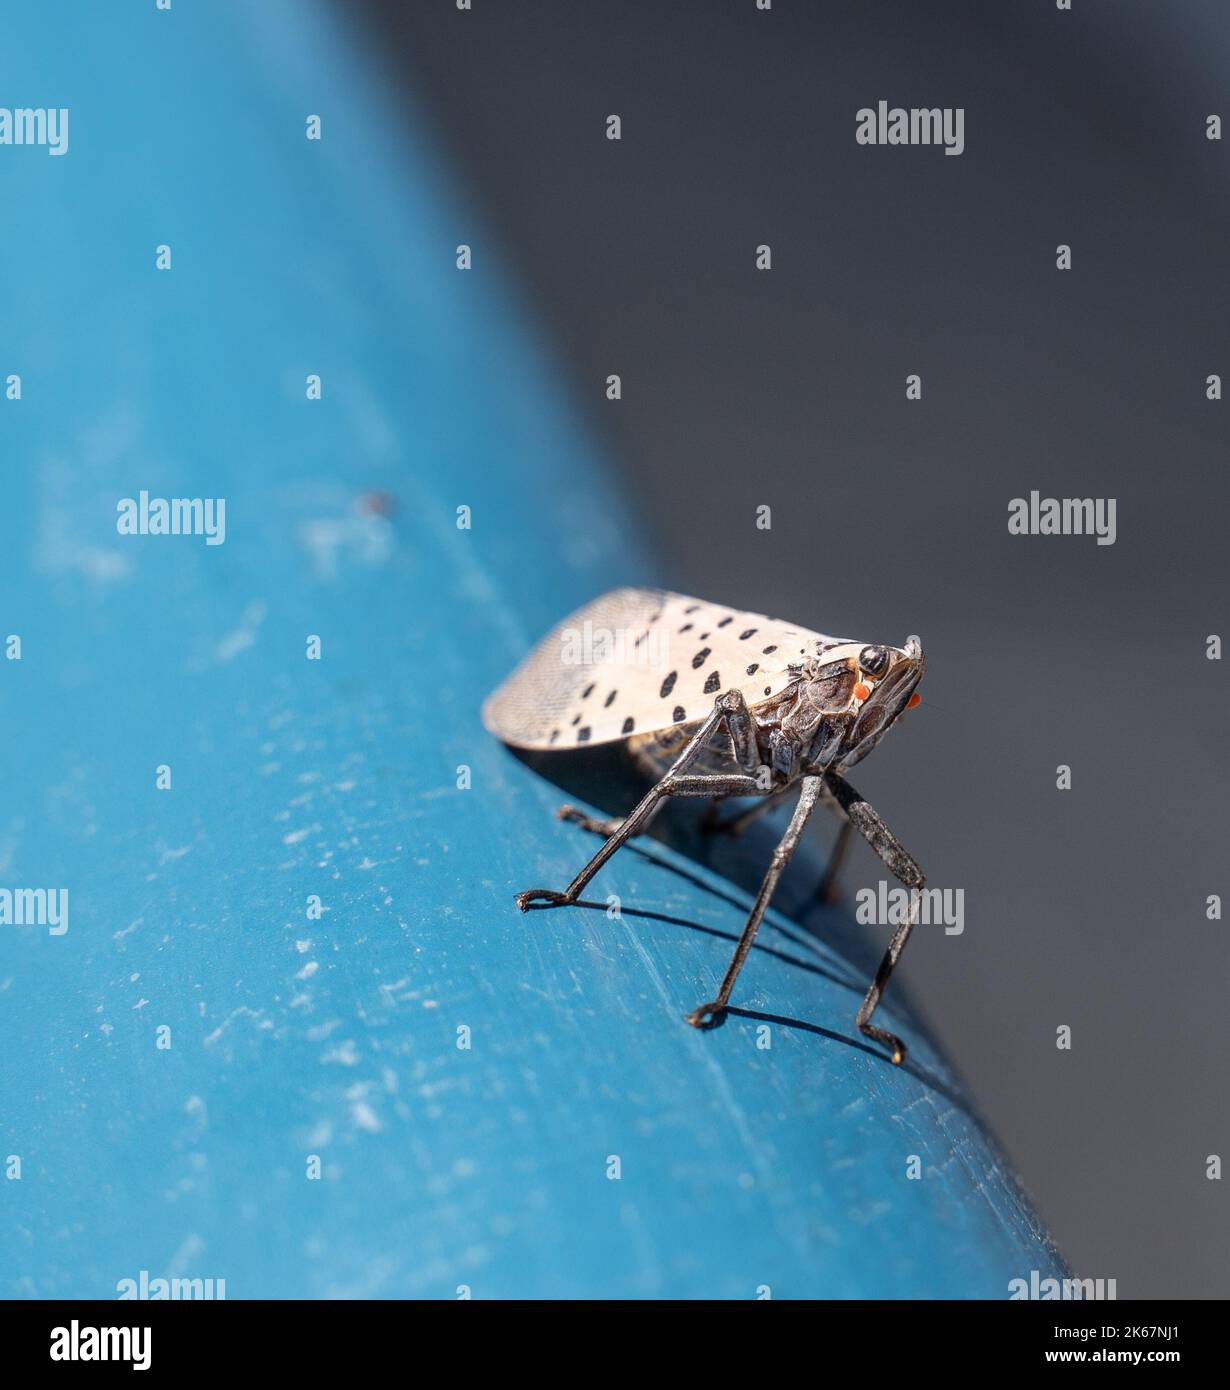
[746,754]
[741,730]
[827,890]
[808,797]
[606,826]
[674,783]
[866,820]
[737,824]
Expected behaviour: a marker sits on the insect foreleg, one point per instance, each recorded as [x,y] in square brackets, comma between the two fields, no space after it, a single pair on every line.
[674,783]
[866,820]
[742,732]
[808,797]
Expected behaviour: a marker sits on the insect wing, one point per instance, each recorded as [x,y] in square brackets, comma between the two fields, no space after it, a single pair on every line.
[561,694]
[636,661]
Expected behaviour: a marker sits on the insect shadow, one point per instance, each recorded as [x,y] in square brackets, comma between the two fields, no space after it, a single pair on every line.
[840,949]
[921,1074]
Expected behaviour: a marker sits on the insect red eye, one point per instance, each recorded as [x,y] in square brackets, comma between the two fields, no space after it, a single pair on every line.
[861,691]
[914,701]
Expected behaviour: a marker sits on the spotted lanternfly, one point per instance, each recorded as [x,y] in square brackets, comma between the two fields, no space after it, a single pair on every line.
[713,702]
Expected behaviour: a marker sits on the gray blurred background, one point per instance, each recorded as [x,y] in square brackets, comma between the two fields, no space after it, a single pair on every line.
[787,388]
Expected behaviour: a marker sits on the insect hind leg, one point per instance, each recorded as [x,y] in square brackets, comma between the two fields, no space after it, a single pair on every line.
[606,826]
[734,825]
[729,711]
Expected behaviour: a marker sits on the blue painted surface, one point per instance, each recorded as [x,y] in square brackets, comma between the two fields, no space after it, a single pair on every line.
[486,1167]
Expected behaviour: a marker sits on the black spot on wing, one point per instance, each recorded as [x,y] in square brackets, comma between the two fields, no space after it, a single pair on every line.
[668,684]
[687,627]
[695,608]
[725,621]
[554,736]
[700,658]
[743,636]
[610,699]
[576,719]
[713,684]
[679,714]
[767,650]
[583,734]
[587,692]
[753,668]
[629,725]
